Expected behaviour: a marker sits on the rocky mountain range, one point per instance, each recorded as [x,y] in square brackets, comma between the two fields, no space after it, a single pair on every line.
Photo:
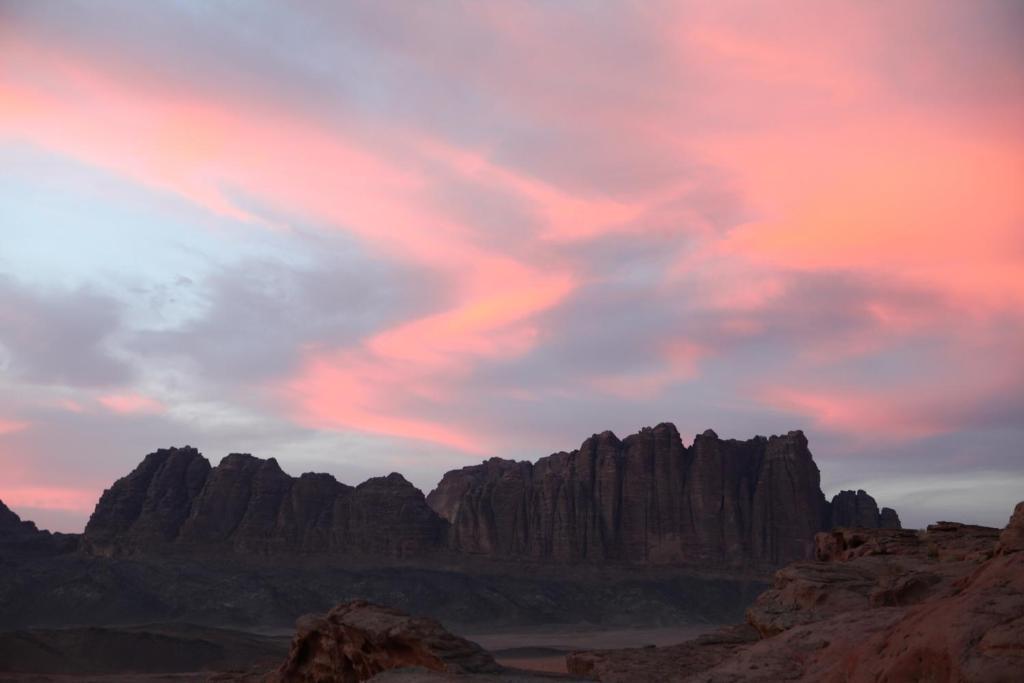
[646,499]
[175,500]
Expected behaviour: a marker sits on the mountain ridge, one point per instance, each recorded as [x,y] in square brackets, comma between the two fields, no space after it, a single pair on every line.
[646,499]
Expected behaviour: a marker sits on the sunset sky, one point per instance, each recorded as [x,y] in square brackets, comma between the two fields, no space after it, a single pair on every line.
[378,236]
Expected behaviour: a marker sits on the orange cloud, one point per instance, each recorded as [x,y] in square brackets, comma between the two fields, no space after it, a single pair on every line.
[351,391]
[937,206]
[375,387]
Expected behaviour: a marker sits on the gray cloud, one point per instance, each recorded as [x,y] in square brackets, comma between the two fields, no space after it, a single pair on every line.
[60,336]
[259,314]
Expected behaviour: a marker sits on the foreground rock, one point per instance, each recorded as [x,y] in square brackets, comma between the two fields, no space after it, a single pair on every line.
[358,640]
[946,604]
[135,650]
[672,663]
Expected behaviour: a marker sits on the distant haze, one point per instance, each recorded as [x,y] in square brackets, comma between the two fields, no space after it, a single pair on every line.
[375,237]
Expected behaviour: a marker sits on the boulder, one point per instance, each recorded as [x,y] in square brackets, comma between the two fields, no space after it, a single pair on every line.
[357,640]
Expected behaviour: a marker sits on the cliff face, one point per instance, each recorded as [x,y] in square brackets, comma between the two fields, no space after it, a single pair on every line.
[174,499]
[645,499]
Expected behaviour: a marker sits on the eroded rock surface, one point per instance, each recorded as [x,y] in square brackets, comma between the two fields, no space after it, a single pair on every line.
[674,662]
[357,640]
[946,604]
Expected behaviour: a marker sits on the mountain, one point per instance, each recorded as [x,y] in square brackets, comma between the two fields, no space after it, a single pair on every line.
[650,499]
[644,500]
[175,499]
[19,537]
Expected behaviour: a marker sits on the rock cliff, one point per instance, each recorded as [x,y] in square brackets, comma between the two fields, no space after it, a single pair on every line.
[649,499]
[646,499]
[175,500]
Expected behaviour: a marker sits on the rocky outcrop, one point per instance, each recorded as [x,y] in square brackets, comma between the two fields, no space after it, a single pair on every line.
[672,663]
[148,506]
[356,641]
[11,526]
[1011,540]
[946,604]
[646,499]
[19,538]
[858,509]
[174,500]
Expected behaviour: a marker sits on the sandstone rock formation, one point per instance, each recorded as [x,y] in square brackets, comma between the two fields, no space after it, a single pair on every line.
[648,499]
[645,500]
[1011,540]
[175,500]
[946,604]
[672,663]
[357,640]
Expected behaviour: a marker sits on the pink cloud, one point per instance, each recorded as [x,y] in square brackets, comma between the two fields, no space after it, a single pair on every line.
[904,197]
[857,413]
[381,386]
[131,404]
[12,426]
[71,405]
[842,173]
[49,498]
[195,147]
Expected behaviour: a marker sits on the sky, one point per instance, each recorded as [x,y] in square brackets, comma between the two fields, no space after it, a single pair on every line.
[367,237]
